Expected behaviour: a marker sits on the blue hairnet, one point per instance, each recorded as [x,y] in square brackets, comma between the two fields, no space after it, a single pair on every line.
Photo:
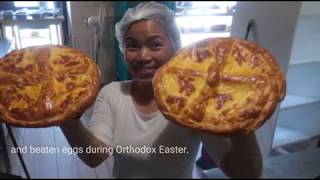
[149,10]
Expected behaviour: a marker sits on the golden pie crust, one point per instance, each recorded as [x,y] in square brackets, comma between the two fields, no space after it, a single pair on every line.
[43,86]
[220,85]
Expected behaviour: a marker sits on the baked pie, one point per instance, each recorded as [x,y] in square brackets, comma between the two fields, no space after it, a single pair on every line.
[221,85]
[43,86]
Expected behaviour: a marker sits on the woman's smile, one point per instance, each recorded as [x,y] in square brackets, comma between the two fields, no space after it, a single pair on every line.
[145,71]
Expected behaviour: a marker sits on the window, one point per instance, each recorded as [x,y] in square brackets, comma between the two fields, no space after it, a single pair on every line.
[34,4]
[26,4]
[50,5]
[202,19]
[40,30]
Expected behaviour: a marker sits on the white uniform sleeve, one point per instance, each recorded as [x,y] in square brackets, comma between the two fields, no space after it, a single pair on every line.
[216,146]
[101,123]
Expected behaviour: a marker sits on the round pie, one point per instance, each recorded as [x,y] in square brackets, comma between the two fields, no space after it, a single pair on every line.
[220,85]
[43,86]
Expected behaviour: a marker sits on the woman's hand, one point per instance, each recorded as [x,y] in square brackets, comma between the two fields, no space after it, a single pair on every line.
[243,159]
[79,136]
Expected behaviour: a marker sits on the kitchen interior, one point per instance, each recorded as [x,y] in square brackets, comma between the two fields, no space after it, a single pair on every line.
[294,151]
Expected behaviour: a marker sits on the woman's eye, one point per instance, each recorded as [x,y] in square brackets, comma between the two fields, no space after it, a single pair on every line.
[156,46]
[131,42]
[132,46]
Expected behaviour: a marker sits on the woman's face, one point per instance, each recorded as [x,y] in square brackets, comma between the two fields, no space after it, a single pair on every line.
[147,47]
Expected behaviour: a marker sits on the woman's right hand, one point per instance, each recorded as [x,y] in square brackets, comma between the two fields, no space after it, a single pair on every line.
[79,136]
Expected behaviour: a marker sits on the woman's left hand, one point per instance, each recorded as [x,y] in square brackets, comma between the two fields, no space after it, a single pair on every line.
[243,159]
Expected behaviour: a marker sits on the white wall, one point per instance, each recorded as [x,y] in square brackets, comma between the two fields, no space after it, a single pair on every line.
[306,46]
[310,8]
[276,23]
[303,75]
[275,26]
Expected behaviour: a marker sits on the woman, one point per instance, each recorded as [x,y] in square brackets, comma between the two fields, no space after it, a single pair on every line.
[127,120]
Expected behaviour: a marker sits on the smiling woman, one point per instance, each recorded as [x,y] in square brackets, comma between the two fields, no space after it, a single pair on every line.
[147,48]
[126,114]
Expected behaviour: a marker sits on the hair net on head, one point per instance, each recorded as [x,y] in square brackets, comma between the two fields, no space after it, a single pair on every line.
[149,10]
